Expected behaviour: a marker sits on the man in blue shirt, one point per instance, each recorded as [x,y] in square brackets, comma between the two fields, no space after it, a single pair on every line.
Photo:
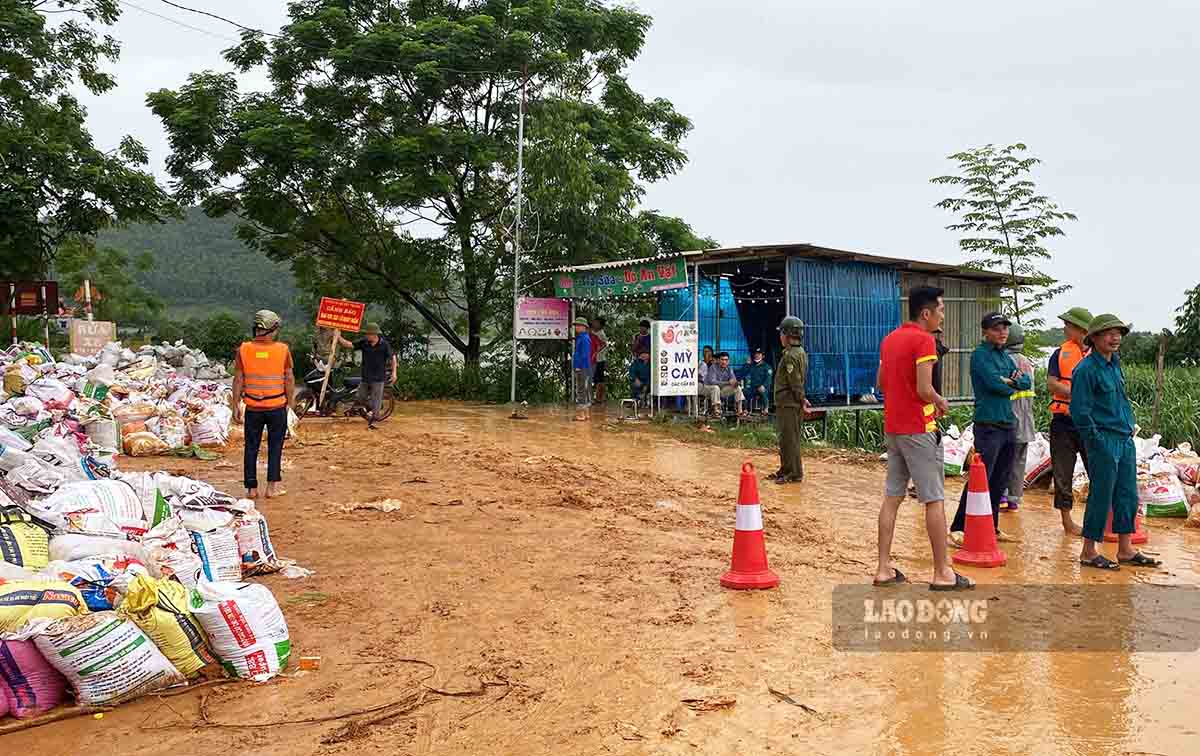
[1104,418]
[995,378]
[581,366]
[639,375]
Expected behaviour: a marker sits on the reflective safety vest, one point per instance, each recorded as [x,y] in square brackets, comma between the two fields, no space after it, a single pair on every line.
[264,374]
[1070,354]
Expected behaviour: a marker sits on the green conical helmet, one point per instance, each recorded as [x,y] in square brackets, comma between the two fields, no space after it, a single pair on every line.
[1077,316]
[1016,338]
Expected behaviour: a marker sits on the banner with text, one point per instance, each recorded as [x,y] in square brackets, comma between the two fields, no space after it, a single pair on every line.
[674,357]
[627,281]
[543,318]
[342,314]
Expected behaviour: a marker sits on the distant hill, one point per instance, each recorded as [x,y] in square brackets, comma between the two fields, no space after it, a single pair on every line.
[201,267]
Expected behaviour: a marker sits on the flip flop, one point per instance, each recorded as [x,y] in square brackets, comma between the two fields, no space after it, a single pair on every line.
[1141,560]
[897,579]
[1100,562]
[961,583]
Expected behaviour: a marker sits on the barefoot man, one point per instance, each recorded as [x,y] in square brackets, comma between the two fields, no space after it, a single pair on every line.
[1102,413]
[910,411]
[263,379]
[1065,444]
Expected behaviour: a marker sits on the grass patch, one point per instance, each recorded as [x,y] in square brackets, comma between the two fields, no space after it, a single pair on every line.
[308,597]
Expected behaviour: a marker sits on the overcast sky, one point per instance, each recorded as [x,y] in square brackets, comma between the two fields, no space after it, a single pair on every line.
[823,121]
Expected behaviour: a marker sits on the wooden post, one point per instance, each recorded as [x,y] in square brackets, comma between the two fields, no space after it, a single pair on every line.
[337,336]
[45,318]
[87,297]
[12,307]
[1158,385]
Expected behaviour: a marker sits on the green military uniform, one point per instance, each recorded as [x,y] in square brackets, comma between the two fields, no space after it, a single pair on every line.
[789,401]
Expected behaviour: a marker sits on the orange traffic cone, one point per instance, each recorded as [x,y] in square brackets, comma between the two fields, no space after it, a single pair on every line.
[979,539]
[1139,528]
[749,568]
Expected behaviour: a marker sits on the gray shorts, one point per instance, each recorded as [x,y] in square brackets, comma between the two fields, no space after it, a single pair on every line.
[917,457]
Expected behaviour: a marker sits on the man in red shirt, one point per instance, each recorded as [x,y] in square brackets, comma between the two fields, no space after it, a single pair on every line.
[911,407]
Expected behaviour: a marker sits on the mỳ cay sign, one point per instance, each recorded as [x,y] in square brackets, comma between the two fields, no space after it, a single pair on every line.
[629,280]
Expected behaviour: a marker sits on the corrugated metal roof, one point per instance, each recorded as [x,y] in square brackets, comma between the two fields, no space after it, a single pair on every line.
[829,253]
[618,263]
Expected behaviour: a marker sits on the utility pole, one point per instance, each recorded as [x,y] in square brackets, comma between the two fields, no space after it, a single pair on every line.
[517,234]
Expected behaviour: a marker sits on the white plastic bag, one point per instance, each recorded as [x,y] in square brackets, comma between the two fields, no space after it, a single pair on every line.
[105,658]
[13,440]
[1162,495]
[254,543]
[50,390]
[28,406]
[69,547]
[218,553]
[245,627]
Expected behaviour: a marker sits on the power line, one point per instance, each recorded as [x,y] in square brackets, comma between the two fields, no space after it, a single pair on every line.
[177,22]
[298,43]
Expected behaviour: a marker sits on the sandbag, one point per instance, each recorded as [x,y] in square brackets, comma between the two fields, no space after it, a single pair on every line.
[954,456]
[1162,496]
[64,455]
[69,547]
[155,508]
[245,627]
[11,438]
[22,543]
[101,507]
[254,544]
[103,581]
[104,433]
[28,683]
[107,659]
[161,609]
[218,553]
[25,600]
[144,444]
[171,428]
[1037,460]
[134,412]
[50,391]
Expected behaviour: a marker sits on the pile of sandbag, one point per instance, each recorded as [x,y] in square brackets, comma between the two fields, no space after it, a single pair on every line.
[117,587]
[157,400]
[1167,480]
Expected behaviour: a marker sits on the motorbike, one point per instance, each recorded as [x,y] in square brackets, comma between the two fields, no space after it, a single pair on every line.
[341,396]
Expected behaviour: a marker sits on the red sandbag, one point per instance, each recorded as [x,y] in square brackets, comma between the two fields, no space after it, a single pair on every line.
[28,684]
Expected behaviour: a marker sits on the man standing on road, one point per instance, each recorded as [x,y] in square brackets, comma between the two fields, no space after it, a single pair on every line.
[790,401]
[1026,429]
[378,369]
[263,379]
[581,365]
[1104,418]
[600,346]
[1065,442]
[910,411]
[995,378]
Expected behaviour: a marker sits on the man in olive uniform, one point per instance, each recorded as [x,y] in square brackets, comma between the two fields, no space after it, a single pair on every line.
[790,403]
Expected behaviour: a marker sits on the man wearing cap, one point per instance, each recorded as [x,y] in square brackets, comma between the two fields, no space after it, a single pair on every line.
[264,382]
[581,365]
[1104,419]
[790,401]
[1065,443]
[995,378]
[757,378]
[378,369]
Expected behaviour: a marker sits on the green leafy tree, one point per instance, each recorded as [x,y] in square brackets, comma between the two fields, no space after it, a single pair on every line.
[55,183]
[112,273]
[1185,346]
[1005,224]
[382,161]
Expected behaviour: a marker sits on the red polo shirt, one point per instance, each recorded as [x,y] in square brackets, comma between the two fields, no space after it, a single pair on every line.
[901,351]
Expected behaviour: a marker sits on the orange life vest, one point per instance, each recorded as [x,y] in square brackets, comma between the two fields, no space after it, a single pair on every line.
[264,374]
[1070,354]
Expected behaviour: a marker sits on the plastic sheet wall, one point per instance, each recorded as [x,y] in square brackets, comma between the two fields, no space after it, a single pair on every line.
[966,302]
[847,309]
[677,305]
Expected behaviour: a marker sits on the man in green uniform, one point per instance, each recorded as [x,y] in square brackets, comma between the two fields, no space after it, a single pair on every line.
[1104,418]
[790,403]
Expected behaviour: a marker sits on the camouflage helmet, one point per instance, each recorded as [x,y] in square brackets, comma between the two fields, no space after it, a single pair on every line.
[265,320]
[792,326]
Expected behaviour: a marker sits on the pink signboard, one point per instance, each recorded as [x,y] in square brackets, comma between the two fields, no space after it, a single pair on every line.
[543,318]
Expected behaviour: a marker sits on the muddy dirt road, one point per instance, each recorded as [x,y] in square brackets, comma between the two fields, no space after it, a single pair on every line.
[560,582]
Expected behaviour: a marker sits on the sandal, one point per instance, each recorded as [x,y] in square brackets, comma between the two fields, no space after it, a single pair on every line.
[896,579]
[961,583]
[1141,560]
[1100,562]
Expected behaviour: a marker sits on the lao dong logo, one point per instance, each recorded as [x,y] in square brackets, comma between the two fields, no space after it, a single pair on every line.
[925,611]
